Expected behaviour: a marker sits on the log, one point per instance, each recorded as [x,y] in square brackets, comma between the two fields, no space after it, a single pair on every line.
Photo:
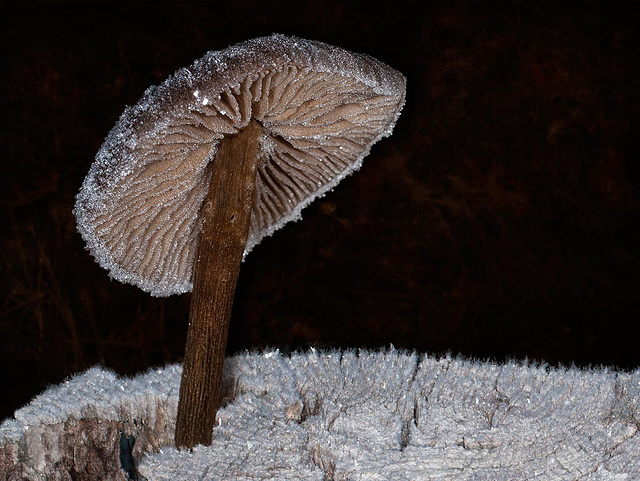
[374,415]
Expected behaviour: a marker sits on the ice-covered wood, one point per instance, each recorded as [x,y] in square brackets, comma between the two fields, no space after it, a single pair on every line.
[350,415]
[73,430]
[321,109]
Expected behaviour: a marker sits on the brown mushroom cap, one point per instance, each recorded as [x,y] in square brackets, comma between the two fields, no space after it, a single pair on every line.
[321,109]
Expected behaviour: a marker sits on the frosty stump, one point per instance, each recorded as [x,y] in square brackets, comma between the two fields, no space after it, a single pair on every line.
[220,155]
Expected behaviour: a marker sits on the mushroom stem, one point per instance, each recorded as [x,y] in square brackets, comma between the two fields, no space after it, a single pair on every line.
[227,212]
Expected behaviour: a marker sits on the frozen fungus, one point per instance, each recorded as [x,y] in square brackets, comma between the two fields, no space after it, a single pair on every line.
[321,108]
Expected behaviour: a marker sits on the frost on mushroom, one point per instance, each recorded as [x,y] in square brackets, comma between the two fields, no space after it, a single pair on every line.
[321,109]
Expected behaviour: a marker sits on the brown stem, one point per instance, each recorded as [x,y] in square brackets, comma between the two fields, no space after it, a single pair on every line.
[227,212]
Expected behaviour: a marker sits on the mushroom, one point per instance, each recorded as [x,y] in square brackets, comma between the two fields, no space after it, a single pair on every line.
[207,164]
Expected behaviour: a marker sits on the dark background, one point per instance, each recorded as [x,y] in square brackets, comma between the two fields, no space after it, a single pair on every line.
[499,221]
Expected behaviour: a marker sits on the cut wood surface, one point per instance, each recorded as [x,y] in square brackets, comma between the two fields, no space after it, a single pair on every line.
[384,415]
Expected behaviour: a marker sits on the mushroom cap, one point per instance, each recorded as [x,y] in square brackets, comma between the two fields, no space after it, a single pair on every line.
[321,108]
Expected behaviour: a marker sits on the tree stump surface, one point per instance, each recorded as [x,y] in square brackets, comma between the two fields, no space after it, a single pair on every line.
[373,415]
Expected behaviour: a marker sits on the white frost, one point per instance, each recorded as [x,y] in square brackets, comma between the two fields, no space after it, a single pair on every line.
[384,415]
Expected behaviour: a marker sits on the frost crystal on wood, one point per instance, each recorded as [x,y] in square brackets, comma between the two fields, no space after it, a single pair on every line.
[342,415]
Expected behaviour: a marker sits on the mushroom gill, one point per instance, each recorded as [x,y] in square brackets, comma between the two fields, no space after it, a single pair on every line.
[139,206]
